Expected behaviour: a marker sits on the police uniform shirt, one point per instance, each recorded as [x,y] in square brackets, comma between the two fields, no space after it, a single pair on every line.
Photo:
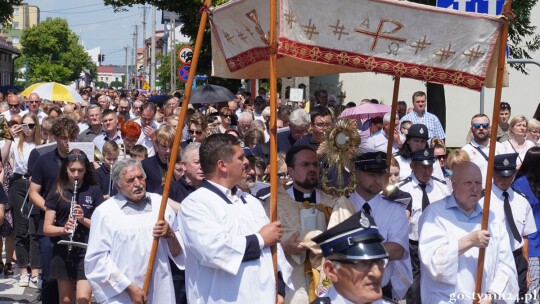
[521,211]
[478,158]
[155,171]
[405,168]
[436,189]
[392,222]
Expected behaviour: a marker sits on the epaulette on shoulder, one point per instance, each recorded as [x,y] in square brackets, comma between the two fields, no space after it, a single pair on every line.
[520,193]
[404,181]
[439,180]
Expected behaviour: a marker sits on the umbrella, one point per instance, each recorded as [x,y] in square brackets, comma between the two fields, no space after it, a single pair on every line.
[159,99]
[211,94]
[30,89]
[367,110]
[55,92]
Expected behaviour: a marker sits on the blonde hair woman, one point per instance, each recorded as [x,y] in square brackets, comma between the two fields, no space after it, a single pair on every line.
[518,142]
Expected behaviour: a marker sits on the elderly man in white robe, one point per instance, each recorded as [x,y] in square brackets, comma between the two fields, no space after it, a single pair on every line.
[450,239]
[121,238]
[226,233]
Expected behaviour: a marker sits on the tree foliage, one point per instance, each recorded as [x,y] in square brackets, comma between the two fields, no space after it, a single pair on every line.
[6,10]
[522,37]
[53,53]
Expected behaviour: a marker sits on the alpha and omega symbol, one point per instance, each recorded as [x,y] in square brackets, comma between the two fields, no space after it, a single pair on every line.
[385,29]
[393,48]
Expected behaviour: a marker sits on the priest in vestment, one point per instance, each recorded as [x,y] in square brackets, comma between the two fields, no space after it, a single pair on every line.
[121,238]
[303,211]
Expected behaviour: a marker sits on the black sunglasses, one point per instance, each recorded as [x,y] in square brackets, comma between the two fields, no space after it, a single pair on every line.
[30,125]
[198,132]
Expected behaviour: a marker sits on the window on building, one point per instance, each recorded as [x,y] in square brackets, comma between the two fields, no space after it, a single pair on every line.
[15,39]
[16,11]
[15,25]
[101,78]
[106,78]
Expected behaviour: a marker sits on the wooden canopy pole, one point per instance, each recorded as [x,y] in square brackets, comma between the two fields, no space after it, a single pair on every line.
[391,133]
[492,144]
[273,125]
[177,137]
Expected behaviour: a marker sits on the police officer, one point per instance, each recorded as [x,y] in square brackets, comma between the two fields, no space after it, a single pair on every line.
[417,139]
[515,208]
[390,218]
[423,188]
[354,252]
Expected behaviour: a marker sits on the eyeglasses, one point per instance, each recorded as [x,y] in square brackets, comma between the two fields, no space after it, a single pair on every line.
[366,264]
[14,105]
[534,131]
[478,125]
[226,116]
[323,124]
[198,132]
[34,101]
[81,156]
[282,176]
[137,108]
[439,157]
[31,125]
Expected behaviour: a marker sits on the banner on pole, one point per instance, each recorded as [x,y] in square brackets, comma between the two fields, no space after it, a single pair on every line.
[391,37]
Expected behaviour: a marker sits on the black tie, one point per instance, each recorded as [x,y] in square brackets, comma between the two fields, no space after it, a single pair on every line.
[366,208]
[425,198]
[510,217]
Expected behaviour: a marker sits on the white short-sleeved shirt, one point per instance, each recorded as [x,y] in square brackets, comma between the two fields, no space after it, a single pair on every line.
[20,160]
[521,211]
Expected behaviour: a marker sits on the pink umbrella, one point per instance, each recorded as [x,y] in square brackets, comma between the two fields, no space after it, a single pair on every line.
[367,110]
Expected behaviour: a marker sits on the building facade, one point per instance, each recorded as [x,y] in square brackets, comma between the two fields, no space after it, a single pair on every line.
[24,16]
[8,53]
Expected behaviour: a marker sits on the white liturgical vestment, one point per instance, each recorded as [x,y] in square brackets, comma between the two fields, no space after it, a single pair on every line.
[447,275]
[119,248]
[214,232]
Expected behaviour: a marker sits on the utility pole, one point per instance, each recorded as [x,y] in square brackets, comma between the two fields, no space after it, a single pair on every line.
[145,49]
[126,80]
[153,52]
[173,52]
[135,56]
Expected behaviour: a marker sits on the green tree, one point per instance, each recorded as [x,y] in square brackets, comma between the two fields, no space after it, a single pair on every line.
[54,54]
[117,84]
[102,84]
[6,10]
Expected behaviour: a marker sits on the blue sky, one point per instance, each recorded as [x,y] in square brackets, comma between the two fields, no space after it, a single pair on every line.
[99,25]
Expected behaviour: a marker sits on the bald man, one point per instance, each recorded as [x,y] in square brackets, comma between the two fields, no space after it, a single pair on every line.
[450,239]
[34,106]
[14,104]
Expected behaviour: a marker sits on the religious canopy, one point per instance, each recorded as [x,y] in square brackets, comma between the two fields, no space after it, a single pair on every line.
[319,37]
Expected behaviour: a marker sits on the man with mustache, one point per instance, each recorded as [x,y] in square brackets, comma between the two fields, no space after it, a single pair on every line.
[128,223]
[450,240]
[303,210]
[478,148]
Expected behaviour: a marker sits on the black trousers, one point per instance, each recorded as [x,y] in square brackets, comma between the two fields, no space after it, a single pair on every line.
[522,267]
[413,294]
[179,282]
[49,287]
[26,240]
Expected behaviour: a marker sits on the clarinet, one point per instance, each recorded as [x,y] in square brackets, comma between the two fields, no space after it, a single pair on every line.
[72,216]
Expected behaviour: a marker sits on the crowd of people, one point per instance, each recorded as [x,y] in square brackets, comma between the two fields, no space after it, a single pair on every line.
[80,227]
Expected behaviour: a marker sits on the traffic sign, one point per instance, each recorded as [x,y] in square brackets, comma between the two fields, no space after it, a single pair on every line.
[183,72]
[491,7]
[146,86]
[185,54]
